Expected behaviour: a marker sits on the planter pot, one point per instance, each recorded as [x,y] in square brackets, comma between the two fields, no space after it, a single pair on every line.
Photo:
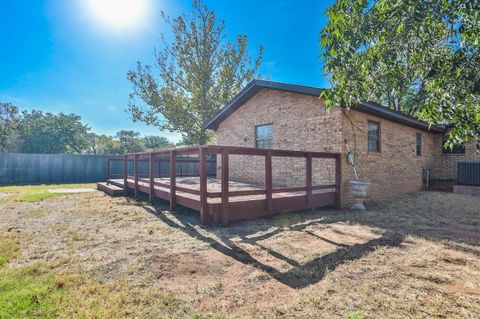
[359,192]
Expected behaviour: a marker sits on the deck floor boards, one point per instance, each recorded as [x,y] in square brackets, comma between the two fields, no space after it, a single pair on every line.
[214,185]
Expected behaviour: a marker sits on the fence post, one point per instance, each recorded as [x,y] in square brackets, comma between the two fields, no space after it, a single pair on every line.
[173,178]
[151,189]
[338,180]
[225,187]
[125,173]
[268,179]
[203,185]
[135,174]
[309,179]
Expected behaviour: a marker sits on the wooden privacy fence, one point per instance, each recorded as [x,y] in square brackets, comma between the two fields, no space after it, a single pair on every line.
[22,169]
[226,205]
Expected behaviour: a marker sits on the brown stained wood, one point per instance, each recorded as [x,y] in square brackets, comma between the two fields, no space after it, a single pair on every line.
[151,193]
[187,190]
[173,176]
[338,180]
[125,173]
[203,186]
[159,167]
[225,205]
[238,150]
[308,177]
[237,193]
[135,174]
[228,200]
[162,184]
[268,180]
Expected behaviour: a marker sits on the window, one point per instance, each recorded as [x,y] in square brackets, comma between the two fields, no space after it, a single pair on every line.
[457,149]
[373,136]
[419,144]
[264,136]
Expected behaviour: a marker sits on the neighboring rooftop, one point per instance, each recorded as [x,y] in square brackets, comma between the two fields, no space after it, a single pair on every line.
[367,107]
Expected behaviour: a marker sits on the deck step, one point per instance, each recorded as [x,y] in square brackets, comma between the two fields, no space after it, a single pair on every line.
[112,190]
[116,182]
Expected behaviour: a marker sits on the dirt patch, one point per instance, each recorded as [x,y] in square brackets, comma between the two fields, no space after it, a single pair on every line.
[410,256]
[462,289]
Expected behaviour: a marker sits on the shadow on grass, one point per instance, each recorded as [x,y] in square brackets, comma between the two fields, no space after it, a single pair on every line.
[454,230]
[299,275]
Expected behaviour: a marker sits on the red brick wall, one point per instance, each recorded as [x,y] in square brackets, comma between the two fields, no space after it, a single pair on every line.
[396,169]
[301,123]
[446,166]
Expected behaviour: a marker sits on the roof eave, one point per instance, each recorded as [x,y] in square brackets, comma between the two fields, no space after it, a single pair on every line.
[383,112]
[251,89]
[255,86]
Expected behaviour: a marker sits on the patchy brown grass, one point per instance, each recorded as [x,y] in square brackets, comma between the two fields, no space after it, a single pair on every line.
[90,255]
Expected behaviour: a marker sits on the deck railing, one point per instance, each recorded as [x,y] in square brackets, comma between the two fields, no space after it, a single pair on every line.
[202,153]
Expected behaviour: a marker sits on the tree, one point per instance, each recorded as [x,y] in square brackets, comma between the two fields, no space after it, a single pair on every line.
[92,143]
[9,119]
[418,57]
[130,142]
[199,72]
[153,142]
[107,145]
[50,133]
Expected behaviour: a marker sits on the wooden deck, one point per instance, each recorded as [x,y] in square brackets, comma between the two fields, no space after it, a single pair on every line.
[221,200]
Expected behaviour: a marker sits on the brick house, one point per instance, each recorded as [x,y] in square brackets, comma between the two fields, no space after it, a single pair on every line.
[392,150]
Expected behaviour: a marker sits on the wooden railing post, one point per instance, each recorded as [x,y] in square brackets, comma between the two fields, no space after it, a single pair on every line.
[225,213]
[125,173]
[308,177]
[151,189]
[107,170]
[268,180]
[202,154]
[338,180]
[135,174]
[173,179]
[159,167]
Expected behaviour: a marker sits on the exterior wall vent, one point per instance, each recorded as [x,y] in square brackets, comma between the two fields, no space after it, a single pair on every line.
[468,173]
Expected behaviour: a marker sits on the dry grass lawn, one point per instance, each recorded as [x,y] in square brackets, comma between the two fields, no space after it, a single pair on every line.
[88,255]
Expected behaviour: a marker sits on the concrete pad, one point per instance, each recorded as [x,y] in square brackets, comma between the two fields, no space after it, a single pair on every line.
[72,190]
[467,190]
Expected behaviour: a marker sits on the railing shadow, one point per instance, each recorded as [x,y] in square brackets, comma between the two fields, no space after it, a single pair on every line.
[299,275]
[390,224]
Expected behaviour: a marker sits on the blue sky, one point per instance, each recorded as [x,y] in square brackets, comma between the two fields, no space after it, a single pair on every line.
[58,56]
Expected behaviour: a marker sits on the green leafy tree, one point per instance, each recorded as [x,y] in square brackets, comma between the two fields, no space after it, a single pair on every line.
[93,143]
[107,145]
[9,119]
[153,142]
[199,72]
[418,57]
[130,142]
[50,133]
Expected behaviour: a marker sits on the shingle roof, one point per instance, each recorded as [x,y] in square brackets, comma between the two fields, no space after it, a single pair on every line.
[367,107]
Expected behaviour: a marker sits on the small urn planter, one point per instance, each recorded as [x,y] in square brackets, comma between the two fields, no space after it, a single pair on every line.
[359,192]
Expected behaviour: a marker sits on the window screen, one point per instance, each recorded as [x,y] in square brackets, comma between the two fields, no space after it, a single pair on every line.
[419,144]
[264,136]
[373,136]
